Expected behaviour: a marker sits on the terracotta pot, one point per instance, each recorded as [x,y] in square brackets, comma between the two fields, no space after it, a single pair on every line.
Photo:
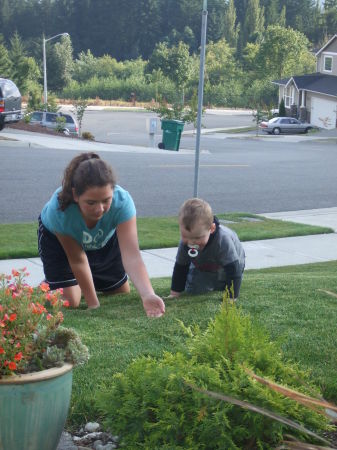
[34,408]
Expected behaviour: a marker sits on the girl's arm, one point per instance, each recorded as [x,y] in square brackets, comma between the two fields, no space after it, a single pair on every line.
[135,268]
[79,264]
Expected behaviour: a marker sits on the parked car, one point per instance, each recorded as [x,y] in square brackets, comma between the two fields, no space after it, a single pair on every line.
[10,102]
[50,120]
[278,125]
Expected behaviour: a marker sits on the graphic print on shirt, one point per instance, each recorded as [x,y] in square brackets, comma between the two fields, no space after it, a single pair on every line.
[90,242]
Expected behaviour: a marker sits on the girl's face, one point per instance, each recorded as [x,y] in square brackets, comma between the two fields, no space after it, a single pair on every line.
[94,202]
[199,235]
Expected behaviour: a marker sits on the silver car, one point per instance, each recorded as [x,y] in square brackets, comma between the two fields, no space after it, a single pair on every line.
[278,125]
[49,120]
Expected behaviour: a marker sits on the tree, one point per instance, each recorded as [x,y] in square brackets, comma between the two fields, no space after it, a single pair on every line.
[284,52]
[79,109]
[174,62]
[231,29]
[254,21]
[5,63]
[25,71]
[60,64]
[220,65]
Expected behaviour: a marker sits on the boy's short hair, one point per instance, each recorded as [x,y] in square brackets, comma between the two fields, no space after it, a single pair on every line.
[193,211]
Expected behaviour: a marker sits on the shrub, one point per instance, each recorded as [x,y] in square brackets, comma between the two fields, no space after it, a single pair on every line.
[152,404]
[282,109]
[88,136]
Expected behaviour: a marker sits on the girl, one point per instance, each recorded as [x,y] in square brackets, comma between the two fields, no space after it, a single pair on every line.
[87,236]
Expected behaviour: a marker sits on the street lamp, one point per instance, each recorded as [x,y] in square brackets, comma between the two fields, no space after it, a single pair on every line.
[45,95]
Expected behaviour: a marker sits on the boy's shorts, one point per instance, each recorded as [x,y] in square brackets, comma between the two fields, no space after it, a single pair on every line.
[105,264]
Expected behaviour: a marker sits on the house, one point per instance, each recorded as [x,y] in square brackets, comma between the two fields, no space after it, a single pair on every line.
[313,97]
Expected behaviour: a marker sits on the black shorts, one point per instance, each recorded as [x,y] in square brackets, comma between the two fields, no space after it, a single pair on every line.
[106,263]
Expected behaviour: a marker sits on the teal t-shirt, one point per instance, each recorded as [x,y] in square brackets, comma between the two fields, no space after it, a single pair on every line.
[71,223]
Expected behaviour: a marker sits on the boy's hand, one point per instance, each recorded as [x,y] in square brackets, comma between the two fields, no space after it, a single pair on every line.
[153,305]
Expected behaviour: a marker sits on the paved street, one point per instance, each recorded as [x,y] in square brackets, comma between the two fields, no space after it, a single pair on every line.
[236,174]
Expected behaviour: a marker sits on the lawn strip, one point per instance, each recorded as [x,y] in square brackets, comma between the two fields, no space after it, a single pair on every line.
[19,240]
[286,301]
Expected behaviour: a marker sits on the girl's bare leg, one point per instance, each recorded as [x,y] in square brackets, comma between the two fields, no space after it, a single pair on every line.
[124,289]
[73,295]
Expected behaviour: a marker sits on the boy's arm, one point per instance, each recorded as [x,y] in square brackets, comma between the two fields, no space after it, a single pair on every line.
[179,279]
[233,273]
[79,264]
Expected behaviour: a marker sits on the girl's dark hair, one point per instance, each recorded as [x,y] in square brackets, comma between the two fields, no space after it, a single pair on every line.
[83,172]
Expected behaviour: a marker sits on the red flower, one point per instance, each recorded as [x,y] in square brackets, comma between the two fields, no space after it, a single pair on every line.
[44,287]
[12,317]
[12,365]
[2,351]
[66,303]
[15,273]
[18,356]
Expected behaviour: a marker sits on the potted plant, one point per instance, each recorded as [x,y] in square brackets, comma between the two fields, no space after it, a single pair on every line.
[37,355]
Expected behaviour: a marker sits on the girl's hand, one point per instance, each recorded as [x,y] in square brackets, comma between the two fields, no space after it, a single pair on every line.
[153,305]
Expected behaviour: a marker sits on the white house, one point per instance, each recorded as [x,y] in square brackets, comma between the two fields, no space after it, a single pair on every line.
[313,97]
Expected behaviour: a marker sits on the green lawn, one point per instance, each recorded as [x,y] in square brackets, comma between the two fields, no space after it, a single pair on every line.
[20,241]
[289,302]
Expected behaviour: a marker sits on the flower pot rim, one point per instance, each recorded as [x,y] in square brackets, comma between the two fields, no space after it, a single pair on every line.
[32,377]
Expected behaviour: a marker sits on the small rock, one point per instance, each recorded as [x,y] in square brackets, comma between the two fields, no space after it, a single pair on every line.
[92,427]
[97,445]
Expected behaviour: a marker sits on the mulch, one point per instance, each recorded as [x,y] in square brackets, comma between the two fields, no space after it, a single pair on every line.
[36,128]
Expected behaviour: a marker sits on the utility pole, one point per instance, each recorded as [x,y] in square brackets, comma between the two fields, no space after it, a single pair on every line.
[200,95]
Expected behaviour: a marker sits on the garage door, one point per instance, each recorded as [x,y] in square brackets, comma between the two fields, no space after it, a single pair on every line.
[323,113]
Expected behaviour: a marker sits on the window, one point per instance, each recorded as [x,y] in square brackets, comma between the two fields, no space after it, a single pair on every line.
[36,116]
[50,117]
[328,63]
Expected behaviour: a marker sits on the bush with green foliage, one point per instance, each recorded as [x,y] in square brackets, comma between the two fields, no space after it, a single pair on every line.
[282,109]
[86,135]
[152,404]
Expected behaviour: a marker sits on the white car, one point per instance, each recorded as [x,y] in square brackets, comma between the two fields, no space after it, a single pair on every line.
[278,125]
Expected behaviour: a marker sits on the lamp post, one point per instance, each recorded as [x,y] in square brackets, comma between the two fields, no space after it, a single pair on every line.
[200,95]
[45,95]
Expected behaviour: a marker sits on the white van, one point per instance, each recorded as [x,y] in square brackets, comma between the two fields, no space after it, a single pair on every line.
[49,120]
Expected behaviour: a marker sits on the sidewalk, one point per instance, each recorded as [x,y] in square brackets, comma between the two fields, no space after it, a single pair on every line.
[259,254]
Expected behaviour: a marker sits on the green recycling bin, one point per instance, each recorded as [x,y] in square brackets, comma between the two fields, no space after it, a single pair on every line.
[172,130]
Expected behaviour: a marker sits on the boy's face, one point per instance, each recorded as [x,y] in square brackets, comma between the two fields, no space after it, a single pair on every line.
[199,235]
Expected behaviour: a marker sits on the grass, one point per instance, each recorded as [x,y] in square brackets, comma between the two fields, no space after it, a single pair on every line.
[20,241]
[286,301]
[239,130]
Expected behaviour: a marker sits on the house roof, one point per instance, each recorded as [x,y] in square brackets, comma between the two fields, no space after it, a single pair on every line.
[328,43]
[314,82]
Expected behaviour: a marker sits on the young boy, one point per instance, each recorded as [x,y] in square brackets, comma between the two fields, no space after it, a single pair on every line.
[210,256]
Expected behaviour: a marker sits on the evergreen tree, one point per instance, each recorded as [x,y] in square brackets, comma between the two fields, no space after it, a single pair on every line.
[254,21]
[5,63]
[60,64]
[272,13]
[231,28]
